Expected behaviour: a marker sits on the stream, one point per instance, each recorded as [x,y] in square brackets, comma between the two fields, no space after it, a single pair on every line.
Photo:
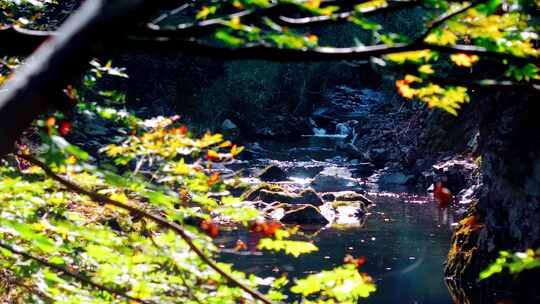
[404,236]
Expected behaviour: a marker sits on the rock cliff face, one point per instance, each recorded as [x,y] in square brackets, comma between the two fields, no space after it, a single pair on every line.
[507,214]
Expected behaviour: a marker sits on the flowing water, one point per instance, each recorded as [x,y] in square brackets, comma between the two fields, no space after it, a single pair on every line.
[405,239]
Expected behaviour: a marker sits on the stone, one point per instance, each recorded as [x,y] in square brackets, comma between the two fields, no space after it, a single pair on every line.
[329,197]
[307,196]
[253,193]
[228,125]
[364,168]
[272,173]
[306,214]
[333,179]
[378,155]
[351,196]
[455,173]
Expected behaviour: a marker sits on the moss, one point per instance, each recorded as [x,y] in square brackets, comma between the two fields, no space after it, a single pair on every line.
[464,246]
[336,204]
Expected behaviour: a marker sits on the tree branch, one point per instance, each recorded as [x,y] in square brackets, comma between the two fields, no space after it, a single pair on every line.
[156,218]
[443,18]
[272,53]
[72,274]
[168,14]
[391,6]
[483,83]
[61,58]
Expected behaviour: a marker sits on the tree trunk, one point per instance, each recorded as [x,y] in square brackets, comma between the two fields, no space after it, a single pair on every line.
[509,204]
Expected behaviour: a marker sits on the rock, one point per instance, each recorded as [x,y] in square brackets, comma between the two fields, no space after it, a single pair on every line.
[333,179]
[351,196]
[457,174]
[304,169]
[272,173]
[346,128]
[253,193]
[329,197]
[351,150]
[228,125]
[274,196]
[364,169]
[396,179]
[306,214]
[307,196]
[378,155]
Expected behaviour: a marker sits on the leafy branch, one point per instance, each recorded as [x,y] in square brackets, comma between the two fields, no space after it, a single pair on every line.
[156,218]
[445,17]
[72,274]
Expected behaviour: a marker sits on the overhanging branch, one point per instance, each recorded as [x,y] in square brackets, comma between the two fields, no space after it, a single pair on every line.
[179,230]
[72,274]
[32,39]
[61,58]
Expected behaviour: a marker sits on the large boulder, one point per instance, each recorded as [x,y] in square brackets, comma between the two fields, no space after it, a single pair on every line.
[305,215]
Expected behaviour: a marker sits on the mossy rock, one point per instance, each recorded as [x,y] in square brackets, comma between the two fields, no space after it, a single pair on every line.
[351,196]
[347,196]
[307,196]
[252,194]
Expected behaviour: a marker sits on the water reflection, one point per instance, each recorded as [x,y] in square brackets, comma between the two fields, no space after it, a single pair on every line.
[405,240]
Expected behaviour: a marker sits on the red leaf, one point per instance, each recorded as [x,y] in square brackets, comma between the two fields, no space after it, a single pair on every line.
[65,128]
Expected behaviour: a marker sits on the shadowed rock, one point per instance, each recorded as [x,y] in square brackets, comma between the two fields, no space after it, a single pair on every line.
[273,173]
[306,214]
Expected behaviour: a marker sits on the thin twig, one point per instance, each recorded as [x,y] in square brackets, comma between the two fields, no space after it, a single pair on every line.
[168,14]
[156,218]
[72,274]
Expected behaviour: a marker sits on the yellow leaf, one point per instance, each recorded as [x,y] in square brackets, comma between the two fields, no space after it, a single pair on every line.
[411,78]
[313,4]
[71,160]
[205,12]
[238,5]
[412,56]
[405,90]
[235,22]
[464,60]
[426,69]
[443,37]
[369,5]
[119,197]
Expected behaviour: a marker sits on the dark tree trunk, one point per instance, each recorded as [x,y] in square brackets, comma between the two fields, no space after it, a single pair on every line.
[509,205]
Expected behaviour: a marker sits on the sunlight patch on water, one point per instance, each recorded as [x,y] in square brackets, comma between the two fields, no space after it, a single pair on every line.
[301,181]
